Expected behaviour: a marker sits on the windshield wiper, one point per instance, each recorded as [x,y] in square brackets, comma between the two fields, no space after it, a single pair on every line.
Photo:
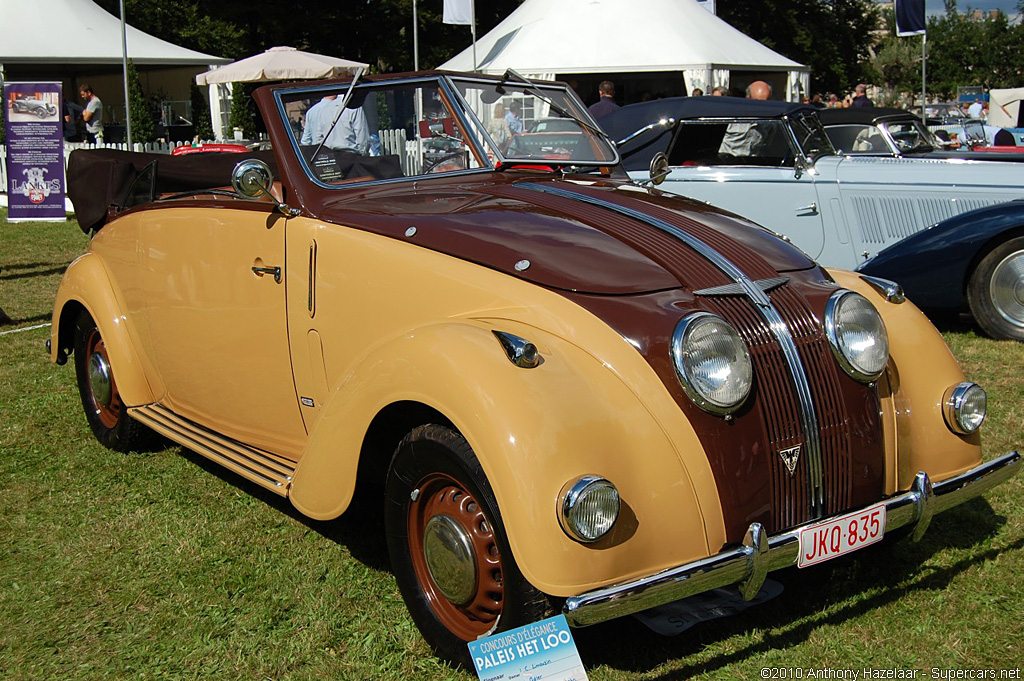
[341,109]
[533,90]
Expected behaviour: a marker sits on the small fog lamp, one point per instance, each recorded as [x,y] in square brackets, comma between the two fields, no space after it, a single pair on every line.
[964,406]
[588,508]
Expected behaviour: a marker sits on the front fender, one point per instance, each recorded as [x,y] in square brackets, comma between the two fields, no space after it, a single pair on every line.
[921,368]
[934,264]
[533,431]
[87,285]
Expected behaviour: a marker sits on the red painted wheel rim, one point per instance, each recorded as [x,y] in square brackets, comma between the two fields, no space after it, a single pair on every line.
[440,494]
[107,412]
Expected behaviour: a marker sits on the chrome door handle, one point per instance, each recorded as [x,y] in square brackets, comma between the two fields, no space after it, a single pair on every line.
[276,271]
[813,209]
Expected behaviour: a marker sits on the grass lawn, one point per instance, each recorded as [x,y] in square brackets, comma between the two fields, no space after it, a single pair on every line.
[164,565]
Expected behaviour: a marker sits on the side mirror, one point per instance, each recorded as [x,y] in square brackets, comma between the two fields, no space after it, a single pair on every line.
[659,168]
[252,179]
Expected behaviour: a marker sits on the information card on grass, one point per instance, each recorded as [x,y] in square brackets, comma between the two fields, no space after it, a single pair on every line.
[542,651]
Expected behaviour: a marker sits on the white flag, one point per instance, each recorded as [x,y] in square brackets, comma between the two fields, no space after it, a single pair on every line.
[458,12]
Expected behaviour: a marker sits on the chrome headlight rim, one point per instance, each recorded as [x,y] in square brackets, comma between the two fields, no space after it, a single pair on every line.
[832,333]
[682,330]
[569,500]
[952,405]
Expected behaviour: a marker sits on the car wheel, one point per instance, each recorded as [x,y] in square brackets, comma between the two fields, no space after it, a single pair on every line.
[448,549]
[101,400]
[996,291]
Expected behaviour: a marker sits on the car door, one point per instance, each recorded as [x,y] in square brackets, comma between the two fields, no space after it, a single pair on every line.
[214,297]
[758,180]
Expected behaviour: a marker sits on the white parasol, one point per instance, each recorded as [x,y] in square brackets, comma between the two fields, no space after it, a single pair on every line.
[280,63]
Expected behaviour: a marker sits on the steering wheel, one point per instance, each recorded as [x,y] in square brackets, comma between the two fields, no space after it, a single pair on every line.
[447,163]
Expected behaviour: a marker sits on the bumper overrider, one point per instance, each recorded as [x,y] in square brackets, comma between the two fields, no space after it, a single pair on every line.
[747,565]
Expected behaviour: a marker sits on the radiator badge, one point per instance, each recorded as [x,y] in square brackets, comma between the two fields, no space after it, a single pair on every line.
[790,457]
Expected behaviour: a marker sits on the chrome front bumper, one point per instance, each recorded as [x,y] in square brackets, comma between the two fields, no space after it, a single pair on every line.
[748,565]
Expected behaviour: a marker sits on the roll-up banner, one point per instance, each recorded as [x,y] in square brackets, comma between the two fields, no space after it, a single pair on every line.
[35,151]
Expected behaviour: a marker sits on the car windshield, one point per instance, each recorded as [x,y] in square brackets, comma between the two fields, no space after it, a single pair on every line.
[811,136]
[425,126]
[909,136]
[535,123]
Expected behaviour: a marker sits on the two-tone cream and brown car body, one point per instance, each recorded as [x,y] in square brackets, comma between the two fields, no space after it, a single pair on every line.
[579,393]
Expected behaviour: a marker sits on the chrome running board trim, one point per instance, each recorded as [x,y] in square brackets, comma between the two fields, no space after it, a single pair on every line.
[263,468]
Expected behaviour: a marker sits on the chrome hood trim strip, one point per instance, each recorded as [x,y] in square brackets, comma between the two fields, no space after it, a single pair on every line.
[808,416]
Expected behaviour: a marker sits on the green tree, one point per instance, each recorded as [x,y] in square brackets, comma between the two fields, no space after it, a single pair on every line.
[201,114]
[243,110]
[833,37]
[139,106]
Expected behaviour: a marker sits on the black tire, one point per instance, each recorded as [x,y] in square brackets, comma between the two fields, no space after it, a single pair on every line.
[995,293]
[107,416]
[434,475]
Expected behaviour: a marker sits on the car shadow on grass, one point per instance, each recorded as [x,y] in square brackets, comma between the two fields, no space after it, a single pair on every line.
[829,595]
[30,270]
[360,529]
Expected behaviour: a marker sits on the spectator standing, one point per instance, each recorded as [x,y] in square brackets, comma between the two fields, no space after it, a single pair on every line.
[315,127]
[976,109]
[92,114]
[697,92]
[72,112]
[498,127]
[719,91]
[514,118]
[606,104]
[860,97]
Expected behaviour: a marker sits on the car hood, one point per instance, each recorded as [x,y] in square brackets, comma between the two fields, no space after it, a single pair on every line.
[587,237]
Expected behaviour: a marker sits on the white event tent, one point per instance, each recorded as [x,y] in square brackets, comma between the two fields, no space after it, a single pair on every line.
[623,40]
[76,41]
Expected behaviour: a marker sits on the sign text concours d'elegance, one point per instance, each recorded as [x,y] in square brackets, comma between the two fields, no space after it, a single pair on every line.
[35,151]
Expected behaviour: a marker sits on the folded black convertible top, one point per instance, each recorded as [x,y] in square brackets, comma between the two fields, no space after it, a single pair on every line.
[98,178]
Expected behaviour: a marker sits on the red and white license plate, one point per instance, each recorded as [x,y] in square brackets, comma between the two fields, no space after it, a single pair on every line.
[838,537]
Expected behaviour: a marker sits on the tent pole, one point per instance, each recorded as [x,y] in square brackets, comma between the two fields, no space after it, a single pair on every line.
[415,38]
[124,64]
[472,5]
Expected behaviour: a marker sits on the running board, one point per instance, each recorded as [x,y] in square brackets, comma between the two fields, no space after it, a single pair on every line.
[265,469]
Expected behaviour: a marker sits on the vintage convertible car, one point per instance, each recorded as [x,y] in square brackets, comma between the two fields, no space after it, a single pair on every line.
[579,393]
[33,106]
[773,163]
[876,131]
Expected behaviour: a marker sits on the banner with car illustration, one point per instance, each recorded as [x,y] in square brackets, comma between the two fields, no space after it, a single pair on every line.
[35,151]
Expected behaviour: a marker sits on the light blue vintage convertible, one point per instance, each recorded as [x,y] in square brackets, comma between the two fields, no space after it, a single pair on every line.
[772,163]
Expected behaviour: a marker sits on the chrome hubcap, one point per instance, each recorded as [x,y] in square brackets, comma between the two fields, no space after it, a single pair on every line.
[448,550]
[99,379]
[1007,288]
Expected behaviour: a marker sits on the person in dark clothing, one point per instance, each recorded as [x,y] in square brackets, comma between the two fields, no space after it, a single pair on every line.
[606,104]
[860,96]
[71,115]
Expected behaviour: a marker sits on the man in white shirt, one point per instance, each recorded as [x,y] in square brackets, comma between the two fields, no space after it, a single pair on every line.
[350,132]
[975,109]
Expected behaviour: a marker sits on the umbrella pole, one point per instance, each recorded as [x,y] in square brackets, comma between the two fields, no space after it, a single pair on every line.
[124,64]
[415,38]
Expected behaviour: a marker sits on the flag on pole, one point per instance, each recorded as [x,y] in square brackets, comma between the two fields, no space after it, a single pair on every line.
[458,12]
[909,17]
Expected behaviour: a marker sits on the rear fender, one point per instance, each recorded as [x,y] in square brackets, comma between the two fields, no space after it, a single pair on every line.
[87,286]
[533,431]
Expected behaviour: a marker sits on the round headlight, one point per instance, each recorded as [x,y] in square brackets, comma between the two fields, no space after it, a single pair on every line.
[712,362]
[588,508]
[964,406]
[857,335]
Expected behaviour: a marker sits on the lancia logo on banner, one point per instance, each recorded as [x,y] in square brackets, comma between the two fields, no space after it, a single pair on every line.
[790,457]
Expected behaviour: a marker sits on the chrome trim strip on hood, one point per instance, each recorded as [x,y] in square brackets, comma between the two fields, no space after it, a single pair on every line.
[808,416]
